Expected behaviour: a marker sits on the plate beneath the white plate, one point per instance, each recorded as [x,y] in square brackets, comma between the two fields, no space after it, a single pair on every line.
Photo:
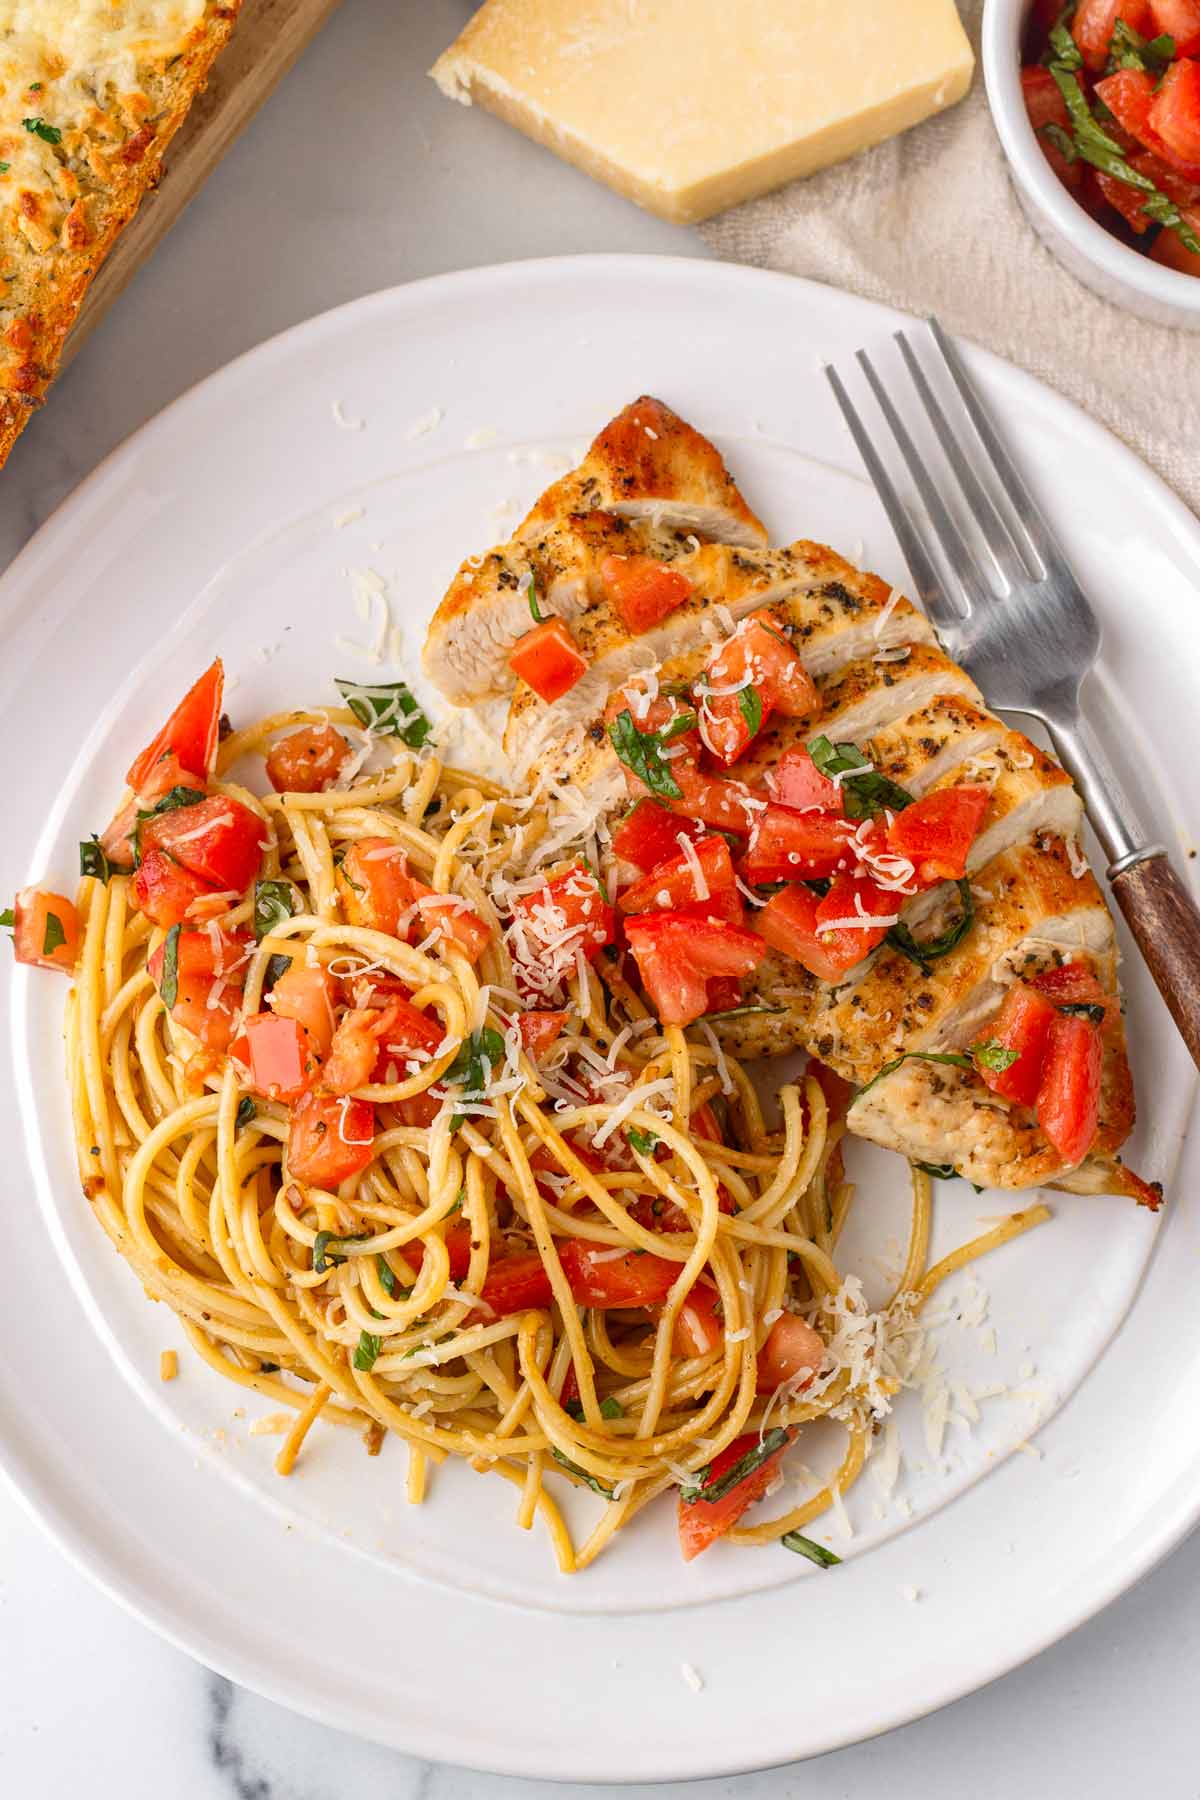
[393,437]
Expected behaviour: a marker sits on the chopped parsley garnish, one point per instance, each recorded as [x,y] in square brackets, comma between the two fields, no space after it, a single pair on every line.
[706,1489]
[929,951]
[93,861]
[169,986]
[597,1487]
[54,936]
[49,134]
[991,1054]
[865,791]
[477,1056]
[388,709]
[327,1248]
[274,903]
[641,751]
[245,1112]
[751,708]
[642,1141]
[366,1350]
[803,1546]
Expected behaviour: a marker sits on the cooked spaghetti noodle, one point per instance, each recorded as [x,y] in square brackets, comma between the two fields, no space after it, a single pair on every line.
[341,1303]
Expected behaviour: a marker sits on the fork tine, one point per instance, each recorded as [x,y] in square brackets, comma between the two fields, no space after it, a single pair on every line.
[1031,523]
[930,586]
[954,546]
[1002,548]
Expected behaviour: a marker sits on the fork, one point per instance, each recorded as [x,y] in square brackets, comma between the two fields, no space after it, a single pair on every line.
[1017,620]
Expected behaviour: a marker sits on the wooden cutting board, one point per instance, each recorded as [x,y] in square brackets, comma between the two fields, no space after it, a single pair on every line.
[269,37]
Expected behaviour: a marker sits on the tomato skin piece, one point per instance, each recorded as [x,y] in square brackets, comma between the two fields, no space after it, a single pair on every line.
[672,883]
[540,1029]
[279,1056]
[649,835]
[632,1280]
[791,1345]
[218,839]
[1095,20]
[191,733]
[164,891]
[796,782]
[936,833]
[329,1139]
[1175,110]
[642,590]
[702,1522]
[676,955]
[792,846]
[788,922]
[307,761]
[1046,106]
[1022,1024]
[1068,1101]
[306,994]
[32,912]
[576,895]
[699,1326]
[548,660]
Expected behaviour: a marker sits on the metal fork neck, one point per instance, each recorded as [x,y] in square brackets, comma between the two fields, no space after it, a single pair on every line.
[1121,833]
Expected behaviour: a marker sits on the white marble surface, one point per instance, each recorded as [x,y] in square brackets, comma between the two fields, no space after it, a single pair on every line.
[94,1706]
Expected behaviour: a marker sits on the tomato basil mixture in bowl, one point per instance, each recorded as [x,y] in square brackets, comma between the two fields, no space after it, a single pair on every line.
[1111,178]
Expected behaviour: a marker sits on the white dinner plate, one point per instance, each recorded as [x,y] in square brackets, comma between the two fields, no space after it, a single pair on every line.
[398,434]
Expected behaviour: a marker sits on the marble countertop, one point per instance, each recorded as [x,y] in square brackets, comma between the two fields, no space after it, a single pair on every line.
[95,1706]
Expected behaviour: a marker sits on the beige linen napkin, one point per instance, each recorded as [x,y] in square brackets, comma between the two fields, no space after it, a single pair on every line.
[931,223]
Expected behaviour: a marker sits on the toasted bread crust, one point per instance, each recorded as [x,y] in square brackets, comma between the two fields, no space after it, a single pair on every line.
[56,237]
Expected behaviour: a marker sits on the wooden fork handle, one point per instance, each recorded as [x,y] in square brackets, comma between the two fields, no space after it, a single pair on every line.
[1165,920]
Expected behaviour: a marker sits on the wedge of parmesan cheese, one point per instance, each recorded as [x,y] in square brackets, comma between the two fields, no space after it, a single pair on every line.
[690,106]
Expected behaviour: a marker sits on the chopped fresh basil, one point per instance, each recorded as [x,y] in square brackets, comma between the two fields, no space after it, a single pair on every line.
[8,918]
[642,1141]
[169,986]
[682,722]
[803,1546]
[991,1054]
[751,708]
[952,1057]
[864,790]
[4,168]
[54,937]
[1066,50]
[49,134]
[938,1171]
[366,1350]
[706,1489]
[245,1112]
[740,1012]
[477,1056]
[641,752]
[1062,140]
[276,966]
[597,1487]
[387,1275]
[388,709]
[539,617]
[327,1248]
[274,903]
[1085,1009]
[610,1408]
[93,861]
[1128,49]
[1104,153]
[924,953]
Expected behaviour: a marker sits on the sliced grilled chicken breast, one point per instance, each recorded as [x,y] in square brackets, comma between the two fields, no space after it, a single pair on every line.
[648,471]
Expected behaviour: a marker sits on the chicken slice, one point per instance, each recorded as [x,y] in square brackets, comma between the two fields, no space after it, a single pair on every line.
[649,473]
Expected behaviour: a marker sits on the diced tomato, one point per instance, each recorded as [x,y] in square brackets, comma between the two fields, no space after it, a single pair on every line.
[792,1345]
[45,930]
[540,1029]
[936,833]
[674,883]
[306,994]
[164,891]
[1129,95]
[1175,112]
[418,1111]
[203,959]
[854,897]
[574,902]
[649,835]
[1045,105]
[278,1054]
[1094,21]
[330,1139]
[1068,1101]
[1170,250]
[548,659]
[1022,1024]
[676,956]
[772,679]
[218,839]
[190,734]
[1128,201]
[792,846]
[702,1522]
[377,891]
[515,1283]
[724,991]
[642,590]
[699,1326]
[307,761]
[1181,20]
[703,1125]
[1075,984]
[721,804]
[796,781]
[632,1280]
[788,922]
[403,1028]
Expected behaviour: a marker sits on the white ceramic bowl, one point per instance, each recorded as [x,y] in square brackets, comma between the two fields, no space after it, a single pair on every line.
[1101,261]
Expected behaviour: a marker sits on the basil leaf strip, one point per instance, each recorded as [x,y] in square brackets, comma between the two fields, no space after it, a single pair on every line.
[274,902]
[938,1171]
[597,1487]
[539,617]
[325,1254]
[816,1553]
[610,1408]
[386,708]
[54,936]
[709,1491]
[952,1057]
[1128,49]
[245,1112]
[276,966]
[93,862]
[992,1054]
[366,1350]
[740,1012]
[641,751]
[169,988]
[49,134]
[477,1056]
[1085,1009]
[387,1275]
[681,723]
[8,918]
[642,1141]
[864,793]
[902,939]
[751,707]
